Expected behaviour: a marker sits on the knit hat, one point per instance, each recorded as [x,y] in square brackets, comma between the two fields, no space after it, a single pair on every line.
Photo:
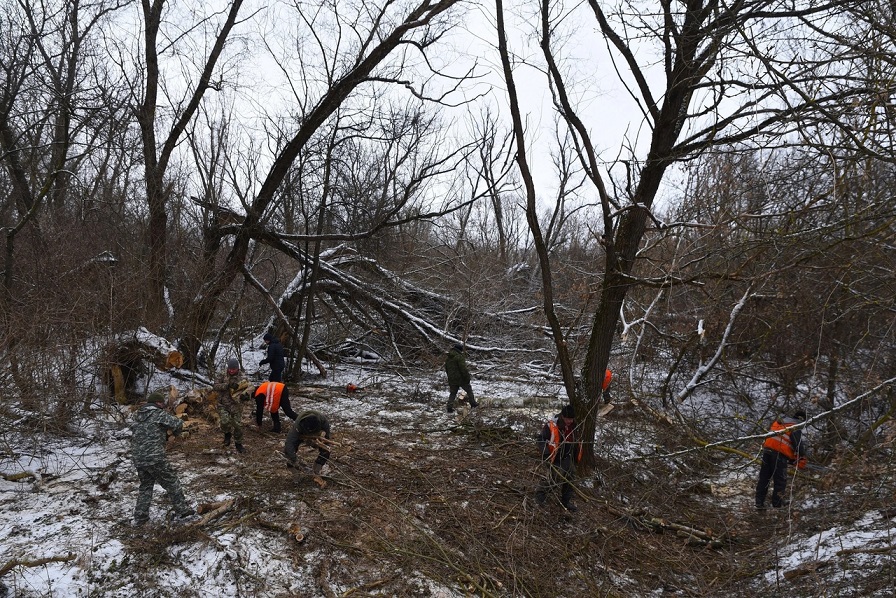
[799,414]
[568,411]
[309,423]
[268,337]
[233,364]
[155,397]
[458,347]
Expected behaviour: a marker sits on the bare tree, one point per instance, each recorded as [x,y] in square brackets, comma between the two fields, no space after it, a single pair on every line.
[705,100]
[157,153]
[379,33]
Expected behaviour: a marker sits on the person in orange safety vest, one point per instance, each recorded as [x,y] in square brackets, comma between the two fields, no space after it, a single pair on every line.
[784,448]
[605,393]
[270,397]
[560,451]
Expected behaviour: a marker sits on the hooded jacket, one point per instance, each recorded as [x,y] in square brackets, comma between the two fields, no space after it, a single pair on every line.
[275,355]
[456,368]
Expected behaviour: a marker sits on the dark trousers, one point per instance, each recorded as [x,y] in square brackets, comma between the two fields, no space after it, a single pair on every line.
[275,416]
[773,469]
[453,388]
[276,375]
[560,475]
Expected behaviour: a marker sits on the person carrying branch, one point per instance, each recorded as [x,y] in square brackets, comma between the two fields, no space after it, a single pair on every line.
[232,389]
[151,425]
[275,357]
[458,376]
[560,451]
[312,428]
[270,397]
[784,448]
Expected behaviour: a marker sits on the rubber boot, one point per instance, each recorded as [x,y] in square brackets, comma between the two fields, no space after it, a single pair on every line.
[227,439]
[240,449]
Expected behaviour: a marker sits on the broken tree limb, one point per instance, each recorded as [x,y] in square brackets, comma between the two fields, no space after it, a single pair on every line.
[35,563]
[267,295]
[212,510]
[18,477]
[692,535]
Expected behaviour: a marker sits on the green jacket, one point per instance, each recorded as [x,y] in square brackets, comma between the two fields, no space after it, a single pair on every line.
[150,427]
[456,368]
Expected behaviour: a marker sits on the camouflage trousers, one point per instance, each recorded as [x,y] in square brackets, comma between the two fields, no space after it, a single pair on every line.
[163,474]
[232,422]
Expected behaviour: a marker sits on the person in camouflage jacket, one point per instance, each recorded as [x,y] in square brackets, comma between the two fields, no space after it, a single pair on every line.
[458,376]
[232,389]
[150,427]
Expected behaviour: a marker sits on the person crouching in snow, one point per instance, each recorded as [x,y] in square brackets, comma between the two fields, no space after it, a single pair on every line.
[270,397]
[150,427]
[560,451]
[232,390]
[310,427]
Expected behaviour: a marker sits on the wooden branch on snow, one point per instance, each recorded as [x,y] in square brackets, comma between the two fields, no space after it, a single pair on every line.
[35,563]
[878,550]
[17,477]
[211,510]
[805,569]
[692,535]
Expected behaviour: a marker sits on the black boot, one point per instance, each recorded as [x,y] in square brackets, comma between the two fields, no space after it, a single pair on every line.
[227,439]
[239,448]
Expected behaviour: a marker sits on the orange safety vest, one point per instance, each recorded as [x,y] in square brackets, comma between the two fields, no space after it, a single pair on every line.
[556,439]
[781,442]
[608,377]
[271,392]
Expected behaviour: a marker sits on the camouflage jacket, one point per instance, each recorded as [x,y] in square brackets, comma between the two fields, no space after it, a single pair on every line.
[232,389]
[150,427]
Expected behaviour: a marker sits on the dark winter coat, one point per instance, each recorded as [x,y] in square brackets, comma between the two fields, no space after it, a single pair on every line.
[308,425]
[456,368]
[275,355]
[150,427]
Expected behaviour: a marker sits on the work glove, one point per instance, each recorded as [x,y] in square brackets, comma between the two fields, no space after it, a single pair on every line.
[801,463]
[234,385]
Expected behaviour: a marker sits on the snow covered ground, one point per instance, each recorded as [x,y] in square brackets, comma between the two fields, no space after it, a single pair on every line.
[65,530]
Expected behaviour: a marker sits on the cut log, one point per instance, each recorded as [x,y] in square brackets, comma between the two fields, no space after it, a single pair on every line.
[129,354]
